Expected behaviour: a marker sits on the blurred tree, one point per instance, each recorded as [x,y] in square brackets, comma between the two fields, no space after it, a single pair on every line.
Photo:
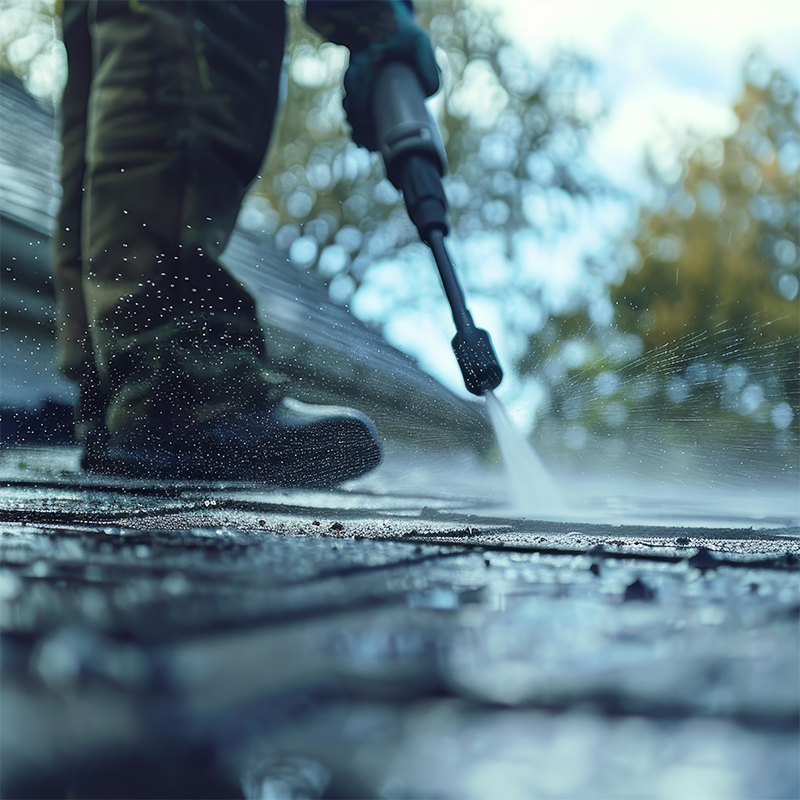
[30,47]
[723,251]
[706,321]
[514,136]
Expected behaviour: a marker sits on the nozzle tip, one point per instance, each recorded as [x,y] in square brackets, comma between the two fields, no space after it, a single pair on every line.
[478,361]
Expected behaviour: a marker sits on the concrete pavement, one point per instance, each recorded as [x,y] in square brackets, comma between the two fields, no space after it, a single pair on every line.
[401,637]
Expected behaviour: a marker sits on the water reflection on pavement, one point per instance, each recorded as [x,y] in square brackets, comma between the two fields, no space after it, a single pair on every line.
[402,637]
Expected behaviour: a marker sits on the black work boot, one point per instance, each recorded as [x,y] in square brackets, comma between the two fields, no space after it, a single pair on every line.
[285,444]
[90,421]
[187,405]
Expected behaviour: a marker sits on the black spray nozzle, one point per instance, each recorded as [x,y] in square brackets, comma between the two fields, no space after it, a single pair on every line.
[476,358]
[472,345]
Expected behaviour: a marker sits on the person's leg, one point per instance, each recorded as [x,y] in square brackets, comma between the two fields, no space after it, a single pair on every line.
[75,355]
[182,100]
[182,104]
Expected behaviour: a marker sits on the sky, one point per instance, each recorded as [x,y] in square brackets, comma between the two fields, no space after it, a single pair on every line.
[664,67]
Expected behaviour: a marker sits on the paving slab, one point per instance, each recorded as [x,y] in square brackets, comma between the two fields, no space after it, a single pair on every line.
[405,636]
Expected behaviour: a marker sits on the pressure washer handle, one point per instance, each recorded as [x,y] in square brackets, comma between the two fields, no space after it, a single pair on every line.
[412,150]
[403,125]
[411,146]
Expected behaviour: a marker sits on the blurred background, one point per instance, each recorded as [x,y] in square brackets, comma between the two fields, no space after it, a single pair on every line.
[625,203]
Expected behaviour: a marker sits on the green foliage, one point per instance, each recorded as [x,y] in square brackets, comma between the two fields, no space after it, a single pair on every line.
[723,251]
[514,136]
[514,133]
[30,47]
[706,324]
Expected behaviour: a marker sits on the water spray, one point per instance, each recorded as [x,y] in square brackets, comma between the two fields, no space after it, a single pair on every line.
[412,150]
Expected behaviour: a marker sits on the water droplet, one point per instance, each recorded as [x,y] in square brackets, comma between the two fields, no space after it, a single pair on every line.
[58,660]
[175,583]
[782,416]
[40,569]
[10,585]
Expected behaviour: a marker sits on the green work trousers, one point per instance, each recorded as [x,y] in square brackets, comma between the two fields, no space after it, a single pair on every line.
[166,118]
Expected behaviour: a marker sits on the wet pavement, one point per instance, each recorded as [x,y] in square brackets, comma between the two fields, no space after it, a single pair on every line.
[404,636]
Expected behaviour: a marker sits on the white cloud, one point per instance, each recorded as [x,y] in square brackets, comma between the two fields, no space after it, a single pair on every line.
[664,67]
[720,28]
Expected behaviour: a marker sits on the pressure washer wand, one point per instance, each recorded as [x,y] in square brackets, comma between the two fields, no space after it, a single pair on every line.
[412,150]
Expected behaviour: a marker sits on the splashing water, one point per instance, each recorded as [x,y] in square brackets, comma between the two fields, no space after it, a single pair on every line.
[703,409]
[533,491]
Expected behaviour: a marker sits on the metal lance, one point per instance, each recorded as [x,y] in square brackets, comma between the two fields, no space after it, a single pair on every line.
[412,151]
